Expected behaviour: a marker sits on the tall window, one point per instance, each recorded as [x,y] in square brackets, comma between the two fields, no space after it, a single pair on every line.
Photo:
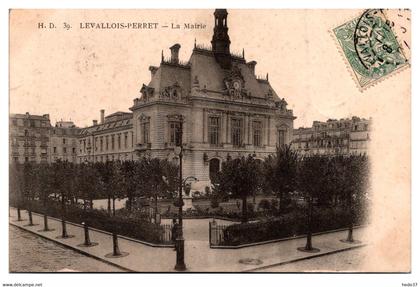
[282,137]
[64,141]
[106,143]
[125,140]
[119,141]
[257,133]
[174,128]
[64,150]
[112,142]
[102,143]
[237,132]
[146,130]
[214,130]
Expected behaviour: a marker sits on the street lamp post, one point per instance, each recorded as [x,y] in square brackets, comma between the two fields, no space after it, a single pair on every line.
[180,263]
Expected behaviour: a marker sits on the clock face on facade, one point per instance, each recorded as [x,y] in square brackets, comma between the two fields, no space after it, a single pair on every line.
[236,85]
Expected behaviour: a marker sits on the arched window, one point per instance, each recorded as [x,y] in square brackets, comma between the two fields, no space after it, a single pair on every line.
[214,168]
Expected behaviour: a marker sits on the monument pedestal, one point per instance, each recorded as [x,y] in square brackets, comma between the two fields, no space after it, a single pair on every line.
[187,203]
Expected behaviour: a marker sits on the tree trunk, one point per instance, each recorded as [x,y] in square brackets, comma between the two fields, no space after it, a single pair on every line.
[309,235]
[244,210]
[129,201]
[116,249]
[109,205]
[63,216]
[156,207]
[19,215]
[64,228]
[351,216]
[30,218]
[86,232]
[113,205]
[84,205]
[280,204]
[46,222]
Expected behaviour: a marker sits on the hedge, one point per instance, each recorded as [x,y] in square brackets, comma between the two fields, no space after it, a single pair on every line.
[99,219]
[292,224]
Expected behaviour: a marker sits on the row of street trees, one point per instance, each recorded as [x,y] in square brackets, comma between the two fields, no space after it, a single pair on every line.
[69,183]
[340,180]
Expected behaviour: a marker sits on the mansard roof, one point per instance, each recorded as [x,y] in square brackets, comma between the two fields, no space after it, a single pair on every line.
[116,121]
[210,75]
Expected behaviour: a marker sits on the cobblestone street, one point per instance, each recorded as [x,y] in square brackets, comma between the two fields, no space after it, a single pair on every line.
[31,253]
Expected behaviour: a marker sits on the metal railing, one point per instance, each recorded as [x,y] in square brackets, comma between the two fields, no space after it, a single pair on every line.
[166,235]
[216,233]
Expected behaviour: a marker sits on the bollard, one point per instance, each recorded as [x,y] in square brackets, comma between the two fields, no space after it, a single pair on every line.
[116,250]
[87,242]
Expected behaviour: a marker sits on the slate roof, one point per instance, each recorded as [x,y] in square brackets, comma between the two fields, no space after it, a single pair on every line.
[124,122]
[203,65]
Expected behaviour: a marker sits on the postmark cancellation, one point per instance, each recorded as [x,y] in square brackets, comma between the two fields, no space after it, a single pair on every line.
[370,47]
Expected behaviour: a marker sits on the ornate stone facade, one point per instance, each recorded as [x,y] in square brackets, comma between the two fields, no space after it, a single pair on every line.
[225,109]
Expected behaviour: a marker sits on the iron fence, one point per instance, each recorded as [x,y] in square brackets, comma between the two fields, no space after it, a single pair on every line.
[166,235]
[217,233]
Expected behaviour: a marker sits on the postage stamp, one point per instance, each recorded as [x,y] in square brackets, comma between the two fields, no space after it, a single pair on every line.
[370,47]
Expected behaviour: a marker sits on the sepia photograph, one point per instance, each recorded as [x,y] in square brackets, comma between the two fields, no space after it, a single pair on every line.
[209,141]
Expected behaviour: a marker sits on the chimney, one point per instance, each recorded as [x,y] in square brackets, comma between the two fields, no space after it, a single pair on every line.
[251,66]
[95,122]
[153,70]
[102,116]
[175,53]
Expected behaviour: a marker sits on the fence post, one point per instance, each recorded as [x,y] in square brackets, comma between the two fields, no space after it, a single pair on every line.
[210,233]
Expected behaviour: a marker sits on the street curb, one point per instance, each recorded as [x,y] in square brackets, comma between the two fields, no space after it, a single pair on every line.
[304,258]
[280,239]
[75,249]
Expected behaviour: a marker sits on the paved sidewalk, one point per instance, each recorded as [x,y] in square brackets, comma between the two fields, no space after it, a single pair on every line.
[198,256]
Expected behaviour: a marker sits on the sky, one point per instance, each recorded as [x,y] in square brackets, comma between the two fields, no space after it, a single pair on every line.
[72,74]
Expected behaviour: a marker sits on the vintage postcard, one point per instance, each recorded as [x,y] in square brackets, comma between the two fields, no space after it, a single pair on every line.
[213,140]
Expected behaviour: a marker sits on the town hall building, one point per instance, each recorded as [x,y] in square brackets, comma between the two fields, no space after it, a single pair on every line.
[225,110]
